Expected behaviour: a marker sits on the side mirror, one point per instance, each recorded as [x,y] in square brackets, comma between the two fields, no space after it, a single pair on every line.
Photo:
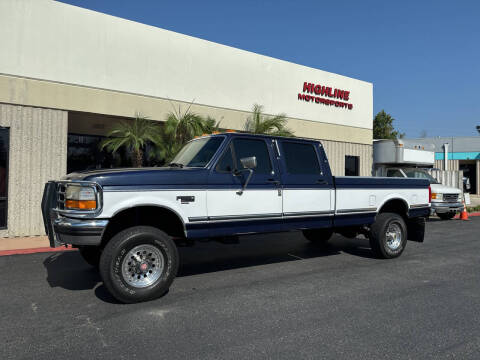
[249,162]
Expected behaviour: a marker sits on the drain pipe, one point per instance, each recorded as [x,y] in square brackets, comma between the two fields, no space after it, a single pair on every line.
[445,156]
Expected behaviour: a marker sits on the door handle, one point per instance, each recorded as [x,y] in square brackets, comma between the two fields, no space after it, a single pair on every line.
[322,182]
[273,181]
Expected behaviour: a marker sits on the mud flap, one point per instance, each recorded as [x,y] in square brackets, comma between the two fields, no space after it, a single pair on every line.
[416,229]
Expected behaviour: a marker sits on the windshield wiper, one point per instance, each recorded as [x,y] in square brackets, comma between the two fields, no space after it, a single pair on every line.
[172,164]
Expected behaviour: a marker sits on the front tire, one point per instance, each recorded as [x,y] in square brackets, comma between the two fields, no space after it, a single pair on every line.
[388,235]
[447,216]
[139,264]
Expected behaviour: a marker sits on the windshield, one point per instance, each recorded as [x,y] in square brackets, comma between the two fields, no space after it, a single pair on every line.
[197,153]
[420,174]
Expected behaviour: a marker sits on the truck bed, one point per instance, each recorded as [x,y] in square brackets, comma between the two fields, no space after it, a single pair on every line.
[358,198]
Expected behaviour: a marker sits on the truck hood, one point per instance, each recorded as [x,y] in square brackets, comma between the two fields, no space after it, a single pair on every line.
[442,189]
[142,176]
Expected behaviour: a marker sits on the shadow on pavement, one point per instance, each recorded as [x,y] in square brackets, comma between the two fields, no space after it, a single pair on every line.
[262,250]
[69,271]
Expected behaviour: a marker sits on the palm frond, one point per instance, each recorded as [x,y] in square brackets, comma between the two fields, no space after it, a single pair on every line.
[133,135]
[258,123]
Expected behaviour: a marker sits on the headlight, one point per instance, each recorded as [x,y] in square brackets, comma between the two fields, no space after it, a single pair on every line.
[80,197]
[437,196]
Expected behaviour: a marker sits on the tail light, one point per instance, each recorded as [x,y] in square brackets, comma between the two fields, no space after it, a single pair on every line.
[429,194]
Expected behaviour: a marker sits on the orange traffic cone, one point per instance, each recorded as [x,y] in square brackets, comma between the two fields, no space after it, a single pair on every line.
[463,214]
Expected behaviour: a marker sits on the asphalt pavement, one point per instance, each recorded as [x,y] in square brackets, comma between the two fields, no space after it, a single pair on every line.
[268,297]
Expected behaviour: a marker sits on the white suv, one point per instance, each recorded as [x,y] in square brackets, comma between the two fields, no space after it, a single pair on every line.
[446,200]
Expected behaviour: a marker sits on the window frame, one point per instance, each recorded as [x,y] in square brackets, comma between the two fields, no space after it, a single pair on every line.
[322,179]
[256,177]
[357,163]
[229,146]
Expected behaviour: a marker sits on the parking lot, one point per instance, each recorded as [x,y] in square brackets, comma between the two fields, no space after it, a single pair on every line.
[273,296]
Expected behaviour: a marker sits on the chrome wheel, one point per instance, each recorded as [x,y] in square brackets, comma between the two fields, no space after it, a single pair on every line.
[394,236]
[143,265]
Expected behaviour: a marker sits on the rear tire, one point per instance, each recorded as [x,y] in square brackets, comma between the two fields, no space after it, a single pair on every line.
[139,264]
[91,254]
[447,216]
[318,236]
[388,235]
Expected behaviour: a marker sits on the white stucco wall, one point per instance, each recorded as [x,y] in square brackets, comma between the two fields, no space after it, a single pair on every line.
[44,39]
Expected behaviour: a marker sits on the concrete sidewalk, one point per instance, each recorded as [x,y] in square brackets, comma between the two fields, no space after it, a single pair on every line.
[27,245]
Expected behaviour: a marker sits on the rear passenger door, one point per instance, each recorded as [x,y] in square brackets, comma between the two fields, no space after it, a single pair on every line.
[308,193]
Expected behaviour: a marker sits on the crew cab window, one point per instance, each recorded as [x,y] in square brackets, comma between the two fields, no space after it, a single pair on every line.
[394,173]
[249,147]
[300,158]
[241,148]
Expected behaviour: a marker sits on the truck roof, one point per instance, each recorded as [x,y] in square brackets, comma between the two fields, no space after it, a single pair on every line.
[241,134]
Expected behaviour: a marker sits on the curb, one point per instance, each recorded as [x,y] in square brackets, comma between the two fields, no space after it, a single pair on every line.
[469,214]
[35,250]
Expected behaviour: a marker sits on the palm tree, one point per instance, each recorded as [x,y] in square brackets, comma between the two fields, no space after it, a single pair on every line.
[166,143]
[132,135]
[180,128]
[185,125]
[210,125]
[259,123]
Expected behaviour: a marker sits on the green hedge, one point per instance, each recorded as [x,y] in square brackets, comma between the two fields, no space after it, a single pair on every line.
[473,209]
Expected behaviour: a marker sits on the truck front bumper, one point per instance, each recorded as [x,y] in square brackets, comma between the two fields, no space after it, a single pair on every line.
[78,232]
[442,207]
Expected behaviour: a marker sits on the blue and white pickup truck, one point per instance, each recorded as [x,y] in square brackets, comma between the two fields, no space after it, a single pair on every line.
[129,222]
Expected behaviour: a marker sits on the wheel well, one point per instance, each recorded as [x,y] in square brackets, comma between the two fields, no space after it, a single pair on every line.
[161,218]
[397,206]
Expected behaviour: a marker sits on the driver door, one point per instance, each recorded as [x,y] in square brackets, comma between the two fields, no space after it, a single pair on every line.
[259,207]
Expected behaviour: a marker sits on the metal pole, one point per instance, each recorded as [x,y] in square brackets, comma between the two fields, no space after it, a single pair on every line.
[445,156]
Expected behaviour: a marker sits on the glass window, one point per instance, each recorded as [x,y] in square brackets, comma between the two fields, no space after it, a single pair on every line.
[352,165]
[420,174]
[394,173]
[226,163]
[4,148]
[198,153]
[249,147]
[300,158]
[83,153]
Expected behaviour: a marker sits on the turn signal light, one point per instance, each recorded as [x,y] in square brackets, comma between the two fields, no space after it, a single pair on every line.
[81,204]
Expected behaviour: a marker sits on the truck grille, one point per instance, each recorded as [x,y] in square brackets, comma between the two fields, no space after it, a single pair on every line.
[450,197]
[61,188]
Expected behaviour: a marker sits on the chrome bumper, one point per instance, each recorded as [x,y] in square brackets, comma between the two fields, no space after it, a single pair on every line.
[79,232]
[443,207]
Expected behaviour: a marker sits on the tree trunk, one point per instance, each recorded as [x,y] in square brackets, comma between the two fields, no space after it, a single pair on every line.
[138,158]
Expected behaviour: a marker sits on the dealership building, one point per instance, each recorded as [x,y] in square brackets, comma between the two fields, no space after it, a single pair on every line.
[68,74]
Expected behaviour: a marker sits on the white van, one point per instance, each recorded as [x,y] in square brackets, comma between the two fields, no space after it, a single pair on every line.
[446,200]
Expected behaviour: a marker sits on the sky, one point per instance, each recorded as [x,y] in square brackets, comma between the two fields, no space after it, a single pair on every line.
[423,57]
